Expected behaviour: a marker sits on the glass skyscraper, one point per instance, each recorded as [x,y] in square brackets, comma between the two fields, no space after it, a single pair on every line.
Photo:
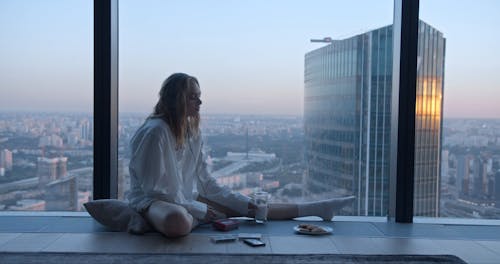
[428,120]
[347,114]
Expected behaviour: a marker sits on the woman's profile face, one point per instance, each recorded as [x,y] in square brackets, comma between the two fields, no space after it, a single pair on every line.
[193,100]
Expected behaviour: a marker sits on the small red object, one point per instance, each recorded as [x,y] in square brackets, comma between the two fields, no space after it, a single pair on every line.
[225,224]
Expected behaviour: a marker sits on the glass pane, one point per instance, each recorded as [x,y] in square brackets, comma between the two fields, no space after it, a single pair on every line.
[457,114]
[296,94]
[46,154]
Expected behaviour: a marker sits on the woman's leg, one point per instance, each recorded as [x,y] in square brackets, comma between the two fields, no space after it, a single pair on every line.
[283,211]
[324,209]
[170,219]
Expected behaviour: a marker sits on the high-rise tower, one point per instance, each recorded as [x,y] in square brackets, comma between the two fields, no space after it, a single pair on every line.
[347,111]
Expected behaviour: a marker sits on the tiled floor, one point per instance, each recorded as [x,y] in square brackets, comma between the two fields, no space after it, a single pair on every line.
[474,244]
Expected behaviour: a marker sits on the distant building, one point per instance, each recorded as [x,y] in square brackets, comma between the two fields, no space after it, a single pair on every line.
[85,178]
[86,130]
[233,181]
[242,159]
[73,138]
[253,155]
[347,114]
[497,189]
[480,180]
[491,186]
[445,165]
[50,169]
[464,173]
[6,159]
[83,197]
[51,141]
[62,195]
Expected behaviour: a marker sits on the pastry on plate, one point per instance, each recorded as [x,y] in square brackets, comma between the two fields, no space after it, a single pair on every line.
[310,228]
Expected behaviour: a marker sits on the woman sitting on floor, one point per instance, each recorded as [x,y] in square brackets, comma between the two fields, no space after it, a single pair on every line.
[167,162]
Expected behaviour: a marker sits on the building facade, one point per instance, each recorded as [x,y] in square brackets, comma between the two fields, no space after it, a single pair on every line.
[50,169]
[347,119]
[6,159]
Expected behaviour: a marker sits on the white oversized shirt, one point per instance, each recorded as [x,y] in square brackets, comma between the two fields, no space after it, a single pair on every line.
[160,172]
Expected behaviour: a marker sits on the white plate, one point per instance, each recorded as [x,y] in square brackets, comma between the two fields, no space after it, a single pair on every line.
[328,230]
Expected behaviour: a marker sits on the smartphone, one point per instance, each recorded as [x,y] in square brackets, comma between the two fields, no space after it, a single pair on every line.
[254,242]
[224,238]
[242,236]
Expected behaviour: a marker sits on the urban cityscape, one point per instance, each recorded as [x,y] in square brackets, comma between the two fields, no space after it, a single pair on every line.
[339,146]
[46,160]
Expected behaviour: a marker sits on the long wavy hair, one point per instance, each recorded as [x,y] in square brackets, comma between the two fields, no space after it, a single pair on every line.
[172,107]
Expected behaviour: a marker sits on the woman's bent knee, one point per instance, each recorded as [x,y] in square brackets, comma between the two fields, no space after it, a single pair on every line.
[170,219]
[177,223]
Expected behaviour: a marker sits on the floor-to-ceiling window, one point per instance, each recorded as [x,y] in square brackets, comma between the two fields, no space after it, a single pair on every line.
[296,94]
[457,147]
[46,100]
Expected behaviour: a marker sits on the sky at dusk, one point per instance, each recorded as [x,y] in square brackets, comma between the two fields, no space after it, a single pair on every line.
[247,55]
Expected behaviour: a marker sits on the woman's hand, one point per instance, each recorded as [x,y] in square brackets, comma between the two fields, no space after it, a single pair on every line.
[213,215]
[251,209]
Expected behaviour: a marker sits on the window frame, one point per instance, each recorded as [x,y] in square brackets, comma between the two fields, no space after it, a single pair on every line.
[105,172]
[404,81]
[405,39]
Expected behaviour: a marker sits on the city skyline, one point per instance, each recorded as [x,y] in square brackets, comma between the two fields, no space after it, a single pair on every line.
[47,62]
[463,194]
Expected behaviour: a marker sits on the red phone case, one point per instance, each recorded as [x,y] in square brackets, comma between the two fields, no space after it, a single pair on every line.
[225,224]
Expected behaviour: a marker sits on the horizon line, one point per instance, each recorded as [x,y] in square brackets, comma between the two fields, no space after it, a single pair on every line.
[206,114]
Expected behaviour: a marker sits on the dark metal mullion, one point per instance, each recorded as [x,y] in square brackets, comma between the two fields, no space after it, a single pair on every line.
[105,99]
[404,96]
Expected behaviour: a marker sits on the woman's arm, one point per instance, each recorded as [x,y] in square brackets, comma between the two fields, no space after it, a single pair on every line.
[220,195]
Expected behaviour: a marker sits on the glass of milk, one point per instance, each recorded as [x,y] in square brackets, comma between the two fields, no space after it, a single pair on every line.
[260,199]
